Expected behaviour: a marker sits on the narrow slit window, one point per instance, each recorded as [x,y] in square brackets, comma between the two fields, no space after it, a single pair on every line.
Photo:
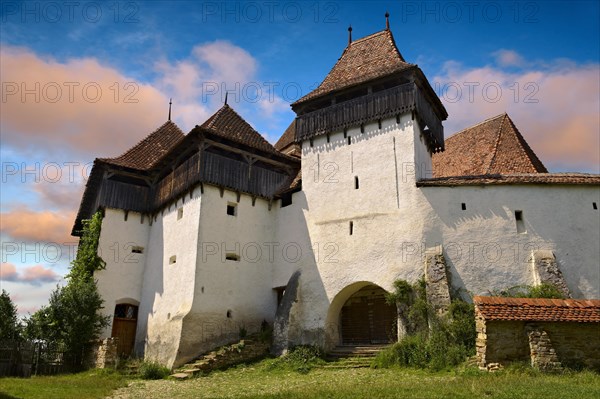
[349,140]
[520,222]
[328,138]
[137,250]
[379,123]
[345,132]
[356,185]
[172,260]
[595,205]
[463,206]
[351,228]
[233,257]
[362,127]
[311,142]
[231,209]
[179,213]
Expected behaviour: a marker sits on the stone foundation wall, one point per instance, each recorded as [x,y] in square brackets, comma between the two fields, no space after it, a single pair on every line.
[103,353]
[547,345]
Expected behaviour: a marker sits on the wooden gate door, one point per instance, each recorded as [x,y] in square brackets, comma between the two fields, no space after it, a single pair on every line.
[124,328]
[367,319]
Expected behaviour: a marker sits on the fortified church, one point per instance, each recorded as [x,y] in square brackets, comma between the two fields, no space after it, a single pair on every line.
[217,230]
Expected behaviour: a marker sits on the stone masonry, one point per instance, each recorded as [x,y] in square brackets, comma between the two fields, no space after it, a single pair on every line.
[103,353]
[547,271]
[437,289]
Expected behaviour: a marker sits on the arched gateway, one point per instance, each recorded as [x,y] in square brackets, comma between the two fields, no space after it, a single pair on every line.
[359,315]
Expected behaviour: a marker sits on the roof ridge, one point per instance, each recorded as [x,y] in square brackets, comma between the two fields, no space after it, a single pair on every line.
[527,149]
[495,150]
[237,129]
[475,125]
[142,140]
[161,141]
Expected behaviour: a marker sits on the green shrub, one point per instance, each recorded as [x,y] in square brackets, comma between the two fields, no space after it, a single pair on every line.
[531,291]
[153,371]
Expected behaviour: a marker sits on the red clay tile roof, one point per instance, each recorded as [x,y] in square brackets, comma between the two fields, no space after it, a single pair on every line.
[371,57]
[520,178]
[145,154]
[287,137]
[493,146]
[538,309]
[286,143]
[228,124]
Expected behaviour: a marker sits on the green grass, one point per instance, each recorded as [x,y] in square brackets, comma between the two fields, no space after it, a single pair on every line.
[89,384]
[259,380]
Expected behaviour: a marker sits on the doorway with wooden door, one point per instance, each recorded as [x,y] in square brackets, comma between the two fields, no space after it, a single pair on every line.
[367,319]
[124,328]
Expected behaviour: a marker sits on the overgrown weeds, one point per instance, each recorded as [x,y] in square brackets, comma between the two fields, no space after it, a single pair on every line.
[432,341]
[301,359]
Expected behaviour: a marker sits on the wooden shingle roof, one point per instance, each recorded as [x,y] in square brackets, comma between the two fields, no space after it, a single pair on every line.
[494,146]
[365,59]
[538,309]
[229,124]
[145,154]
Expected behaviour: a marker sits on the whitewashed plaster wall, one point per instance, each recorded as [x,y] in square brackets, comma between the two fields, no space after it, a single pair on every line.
[485,252]
[121,280]
[168,290]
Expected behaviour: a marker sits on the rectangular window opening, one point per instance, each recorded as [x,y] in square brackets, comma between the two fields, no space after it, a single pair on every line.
[311,142]
[137,250]
[328,138]
[349,141]
[351,228]
[520,222]
[179,213]
[356,182]
[232,256]
[286,200]
[231,209]
[463,206]
[173,260]
[595,205]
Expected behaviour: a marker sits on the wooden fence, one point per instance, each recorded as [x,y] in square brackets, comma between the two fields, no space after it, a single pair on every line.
[26,358]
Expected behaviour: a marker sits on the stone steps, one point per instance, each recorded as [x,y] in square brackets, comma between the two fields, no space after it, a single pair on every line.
[223,357]
[347,356]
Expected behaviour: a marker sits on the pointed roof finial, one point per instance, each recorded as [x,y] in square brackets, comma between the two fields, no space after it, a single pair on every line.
[170,102]
[349,35]
[226,92]
[387,20]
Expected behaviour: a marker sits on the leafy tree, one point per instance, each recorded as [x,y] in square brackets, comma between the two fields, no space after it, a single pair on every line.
[72,316]
[9,325]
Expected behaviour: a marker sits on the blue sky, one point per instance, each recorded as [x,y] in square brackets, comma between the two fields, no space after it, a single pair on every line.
[536,60]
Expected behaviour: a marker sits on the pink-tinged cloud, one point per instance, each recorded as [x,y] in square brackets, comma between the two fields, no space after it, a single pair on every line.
[63,195]
[34,275]
[38,274]
[79,105]
[8,272]
[555,108]
[24,224]
[507,58]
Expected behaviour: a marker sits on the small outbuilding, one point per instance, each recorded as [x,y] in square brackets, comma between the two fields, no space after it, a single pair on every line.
[551,333]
